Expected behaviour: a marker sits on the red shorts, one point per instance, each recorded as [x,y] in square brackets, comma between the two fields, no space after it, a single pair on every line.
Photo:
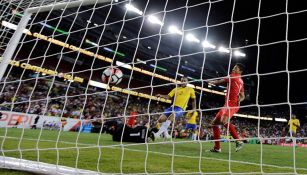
[227,111]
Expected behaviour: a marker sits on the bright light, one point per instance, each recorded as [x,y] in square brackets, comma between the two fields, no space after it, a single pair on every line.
[223,49]
[90,42]
[124,65]
[174,29]
[180,74]
[192,38]
[141,61]
[95,24]
[206,44]
[280,119]
[133,9]
[154,20]
[253,117]
[98,84]
[14,27]
[239,54]
[191,85]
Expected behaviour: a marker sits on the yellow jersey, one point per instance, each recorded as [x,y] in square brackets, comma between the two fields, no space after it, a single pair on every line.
[291,124]
[192,119]
[182,97]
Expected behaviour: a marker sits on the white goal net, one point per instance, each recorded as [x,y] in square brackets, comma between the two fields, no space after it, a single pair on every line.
[139,87]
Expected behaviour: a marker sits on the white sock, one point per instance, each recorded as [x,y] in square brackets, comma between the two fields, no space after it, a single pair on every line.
[164,126]
[166,134]
[193,136]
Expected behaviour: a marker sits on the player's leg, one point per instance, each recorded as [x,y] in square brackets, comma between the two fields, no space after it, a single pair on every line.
[191,128]
[172,113]
[193,131]
[216,130]
[293,135]
[162,119]
[177,113]
[228,125]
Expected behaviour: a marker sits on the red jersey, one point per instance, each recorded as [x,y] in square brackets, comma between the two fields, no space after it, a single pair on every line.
[131,121]
[235,85]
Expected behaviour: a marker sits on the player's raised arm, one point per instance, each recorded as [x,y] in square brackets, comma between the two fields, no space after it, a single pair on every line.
[164,96]
[241,96]
[193,97]
[217,82]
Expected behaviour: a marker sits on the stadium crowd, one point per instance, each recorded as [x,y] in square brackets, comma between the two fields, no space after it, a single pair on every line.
[73,103]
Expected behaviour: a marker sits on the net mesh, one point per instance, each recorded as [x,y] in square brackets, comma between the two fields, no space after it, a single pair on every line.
[53,85]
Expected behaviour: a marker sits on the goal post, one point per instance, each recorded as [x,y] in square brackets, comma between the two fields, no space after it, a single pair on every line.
[18,163]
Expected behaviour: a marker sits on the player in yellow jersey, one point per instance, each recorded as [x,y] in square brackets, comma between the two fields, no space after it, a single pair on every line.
[191,125]
[181,96]
[293,123]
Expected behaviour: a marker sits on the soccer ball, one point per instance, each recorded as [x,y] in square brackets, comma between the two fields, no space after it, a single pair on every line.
[112,75]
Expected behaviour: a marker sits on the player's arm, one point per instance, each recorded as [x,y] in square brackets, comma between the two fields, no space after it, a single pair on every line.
[193,97]
[241,96]
[297,124]
[194,103]
[164,96]
[217,82]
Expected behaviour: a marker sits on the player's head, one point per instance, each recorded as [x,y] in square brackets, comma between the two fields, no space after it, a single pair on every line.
[293,116]
[238,68]
[184,81]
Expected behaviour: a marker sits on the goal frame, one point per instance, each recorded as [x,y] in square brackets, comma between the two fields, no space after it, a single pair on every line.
[22,164]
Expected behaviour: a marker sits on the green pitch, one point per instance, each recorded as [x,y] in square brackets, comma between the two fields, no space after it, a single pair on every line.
[188,157]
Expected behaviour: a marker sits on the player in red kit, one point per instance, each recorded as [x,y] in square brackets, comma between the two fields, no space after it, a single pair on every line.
[132,119]
[235,95]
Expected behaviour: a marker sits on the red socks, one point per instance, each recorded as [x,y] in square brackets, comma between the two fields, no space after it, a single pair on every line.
[232,130]
[217,134]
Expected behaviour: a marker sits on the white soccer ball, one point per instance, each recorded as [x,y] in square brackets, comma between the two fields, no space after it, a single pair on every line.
[112,75]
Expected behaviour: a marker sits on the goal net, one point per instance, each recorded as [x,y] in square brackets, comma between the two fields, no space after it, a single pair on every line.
[84,84]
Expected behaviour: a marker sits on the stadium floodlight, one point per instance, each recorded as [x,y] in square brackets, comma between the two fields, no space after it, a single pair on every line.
[174,29]
[190,37]
[223,50]
[130,7]
[239,54]
[206,44]
[124,65]
[154,20]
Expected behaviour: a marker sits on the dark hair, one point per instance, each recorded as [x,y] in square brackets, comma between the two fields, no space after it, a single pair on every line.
[241,66]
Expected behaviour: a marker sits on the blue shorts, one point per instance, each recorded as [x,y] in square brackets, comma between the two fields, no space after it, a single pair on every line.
[292,132]
[190,126]
[177,110]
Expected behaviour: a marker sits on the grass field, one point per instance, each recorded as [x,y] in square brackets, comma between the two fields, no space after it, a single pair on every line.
[275,159]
